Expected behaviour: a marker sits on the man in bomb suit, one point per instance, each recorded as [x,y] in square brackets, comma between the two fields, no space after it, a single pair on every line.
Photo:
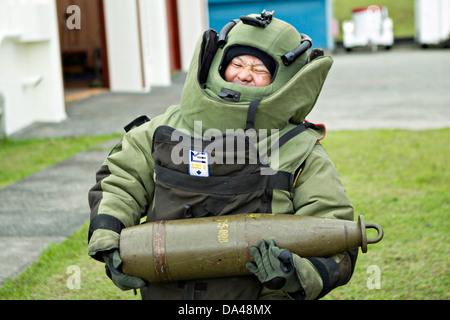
[256,80]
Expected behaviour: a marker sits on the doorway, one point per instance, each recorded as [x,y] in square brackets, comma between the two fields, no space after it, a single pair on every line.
[83,46]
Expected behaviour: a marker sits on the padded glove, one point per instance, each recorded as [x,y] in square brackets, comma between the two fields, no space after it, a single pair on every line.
[274,267]
[113,268]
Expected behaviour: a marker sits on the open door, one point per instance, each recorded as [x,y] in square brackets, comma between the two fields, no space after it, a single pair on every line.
[83,44]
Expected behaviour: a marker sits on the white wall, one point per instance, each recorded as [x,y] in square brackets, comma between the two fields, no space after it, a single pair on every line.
[138,59]
[156,41]
[329,12]
[31,83]
[30,65]
[123,45]
[192,22]
[432,21]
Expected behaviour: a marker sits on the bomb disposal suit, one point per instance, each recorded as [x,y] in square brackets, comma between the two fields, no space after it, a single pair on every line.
[229,149]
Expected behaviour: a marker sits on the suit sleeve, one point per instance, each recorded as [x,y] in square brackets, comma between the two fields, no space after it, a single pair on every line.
[319,192]
[123,191]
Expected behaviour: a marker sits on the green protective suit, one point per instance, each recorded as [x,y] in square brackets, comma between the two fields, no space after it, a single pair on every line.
[125,190]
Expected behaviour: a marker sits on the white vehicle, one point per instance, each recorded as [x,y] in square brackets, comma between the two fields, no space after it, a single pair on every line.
[370,26]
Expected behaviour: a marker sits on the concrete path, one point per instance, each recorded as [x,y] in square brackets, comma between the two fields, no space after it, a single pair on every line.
[402,88]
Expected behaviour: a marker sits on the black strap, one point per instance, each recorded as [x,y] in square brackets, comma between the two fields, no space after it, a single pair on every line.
[292,133]
[251,114]
[223,36]
[328,270]
[105,221]
[288,136]
[136,123]
[225,185]
[206,56]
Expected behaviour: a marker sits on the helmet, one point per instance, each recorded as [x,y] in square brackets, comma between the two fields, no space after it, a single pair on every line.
[295,85]
[271,40]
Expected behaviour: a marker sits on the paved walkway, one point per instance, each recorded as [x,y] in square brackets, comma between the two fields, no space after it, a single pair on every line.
[395,89]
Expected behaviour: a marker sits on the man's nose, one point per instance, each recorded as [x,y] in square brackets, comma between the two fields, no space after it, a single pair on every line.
[245,74]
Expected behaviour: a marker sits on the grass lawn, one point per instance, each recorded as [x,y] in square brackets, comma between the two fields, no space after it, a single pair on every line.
[401,180]
[20,158]
[396,178]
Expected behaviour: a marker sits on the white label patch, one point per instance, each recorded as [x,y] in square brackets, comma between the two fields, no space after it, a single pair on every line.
[198,163]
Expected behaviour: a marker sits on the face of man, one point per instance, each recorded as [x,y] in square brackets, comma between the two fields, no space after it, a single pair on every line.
[248,71]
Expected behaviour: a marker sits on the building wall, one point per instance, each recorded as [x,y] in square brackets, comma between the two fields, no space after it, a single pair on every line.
[137,44]
[312,17]
[30,66]
[31,81]
[193,21]
[432,21]
[123,46]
